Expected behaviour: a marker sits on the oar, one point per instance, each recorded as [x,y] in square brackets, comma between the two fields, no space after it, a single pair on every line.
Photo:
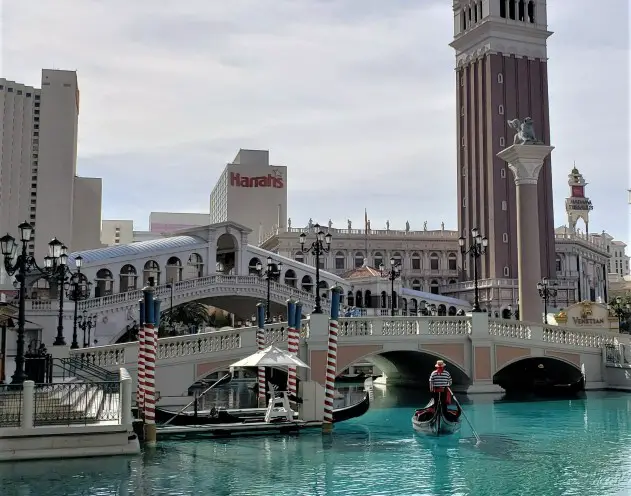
[477,438]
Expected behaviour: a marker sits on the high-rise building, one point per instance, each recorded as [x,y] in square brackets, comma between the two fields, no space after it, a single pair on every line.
[38,159]
[167,222]
[117,232]
[501,74]
[252,193]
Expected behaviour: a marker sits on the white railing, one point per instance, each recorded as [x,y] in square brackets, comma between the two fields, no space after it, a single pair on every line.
[575,337]
[403,326]
[185,346]
[278,290]
[511,329]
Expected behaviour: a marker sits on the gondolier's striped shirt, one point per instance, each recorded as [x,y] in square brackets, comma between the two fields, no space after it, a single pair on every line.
[440,379]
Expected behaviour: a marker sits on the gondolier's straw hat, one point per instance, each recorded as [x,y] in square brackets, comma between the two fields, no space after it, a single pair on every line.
[440,363]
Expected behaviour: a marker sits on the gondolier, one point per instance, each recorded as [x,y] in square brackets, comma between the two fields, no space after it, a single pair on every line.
[439,382]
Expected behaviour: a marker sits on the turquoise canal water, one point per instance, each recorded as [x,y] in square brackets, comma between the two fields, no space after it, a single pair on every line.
[564,447]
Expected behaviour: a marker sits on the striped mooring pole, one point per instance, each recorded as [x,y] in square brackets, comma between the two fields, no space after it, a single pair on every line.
[152,321]
[260,344]
[292,345]
[140,389]
[331,361]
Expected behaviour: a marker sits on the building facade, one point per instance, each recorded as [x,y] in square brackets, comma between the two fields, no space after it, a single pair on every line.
[251,192]
[168,222]
[117,232]
[38,181]
[501,74]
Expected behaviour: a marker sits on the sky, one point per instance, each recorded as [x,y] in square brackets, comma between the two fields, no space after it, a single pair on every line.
[355,97]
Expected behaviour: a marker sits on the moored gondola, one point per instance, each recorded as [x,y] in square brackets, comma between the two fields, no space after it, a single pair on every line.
[437,420]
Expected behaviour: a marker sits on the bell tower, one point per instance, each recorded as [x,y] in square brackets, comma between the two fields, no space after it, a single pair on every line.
[577,205]
[501,73]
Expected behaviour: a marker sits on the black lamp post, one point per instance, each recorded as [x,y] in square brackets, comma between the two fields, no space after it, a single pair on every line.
[546,291]
[392,275]
[86,323]
[273,270]
[57,263]
[78,288]
[19,263]
[319,247]
[620,309]
[475,250]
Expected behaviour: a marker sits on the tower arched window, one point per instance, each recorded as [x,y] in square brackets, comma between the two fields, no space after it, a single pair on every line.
[502,8]
[531,12]
[511,9]
[522,10]
[416,285]
[433,287]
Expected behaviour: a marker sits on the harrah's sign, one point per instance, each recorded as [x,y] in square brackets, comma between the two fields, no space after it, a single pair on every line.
[269,181]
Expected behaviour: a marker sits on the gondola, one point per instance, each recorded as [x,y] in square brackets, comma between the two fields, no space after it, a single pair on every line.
[437,421]
[221,416]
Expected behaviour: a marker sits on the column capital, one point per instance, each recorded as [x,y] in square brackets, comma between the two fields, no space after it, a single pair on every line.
[525,161]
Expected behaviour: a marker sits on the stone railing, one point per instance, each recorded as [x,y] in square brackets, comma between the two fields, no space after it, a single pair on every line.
[187,345]
[511,329]
[576,337]
[278,290]
[403,326]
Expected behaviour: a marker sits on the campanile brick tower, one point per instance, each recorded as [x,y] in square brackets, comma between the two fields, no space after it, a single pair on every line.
[501,74]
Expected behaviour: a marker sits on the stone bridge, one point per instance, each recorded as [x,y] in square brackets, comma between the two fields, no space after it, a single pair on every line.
[212,264]
[478,349]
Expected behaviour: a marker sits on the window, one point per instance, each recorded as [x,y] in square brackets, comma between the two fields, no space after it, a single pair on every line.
[506,272]
[464,202]
[461,80]
[10,90]
[500,110]
[434,261]
[504,205]
[359,259]
[462,110]
[339,260]
[464,171]
[500,78]
[19,92]
[502,172]
[505,238]
[416,285]
[37,97]
[453,261]
[416,261]
[559,264]
[433,287]
[299,257]
[378,259]
[28,95]
[462,141]
[502,141]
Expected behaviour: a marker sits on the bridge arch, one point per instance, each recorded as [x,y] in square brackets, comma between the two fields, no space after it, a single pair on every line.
[127,278]
[194,266]
[522,372]
[227,253]
[410,366]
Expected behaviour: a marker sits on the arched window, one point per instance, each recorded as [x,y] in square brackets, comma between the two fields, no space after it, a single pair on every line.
[502,9]
[324,289]
[378,259]
[452,281]
[442,310]
[195,266]
[174,270]
[416,261]
[290,278]
[151,271]
[340,261]
[452,261]
[104,283]
[359,259]
[127,279]
[434,261]
[559,264]
[413,307]
[416,285]
[368,298]
[350,299]
[511,9]
[475,12]
[404,306]
[531,12]
[299,257]
[307,284]
[252,270]
[384,299]
[522,10]
[452,311]
[433,287]
[359,302]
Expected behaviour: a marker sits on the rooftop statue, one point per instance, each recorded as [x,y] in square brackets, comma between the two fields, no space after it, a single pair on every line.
[525,134]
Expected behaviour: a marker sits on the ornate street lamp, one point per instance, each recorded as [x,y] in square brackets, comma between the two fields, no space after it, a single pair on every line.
[475,250]
[273,270]
[86,323]
[392,275]
[546,290]
[77,288]
[319,247]
[620,309]
[19,263]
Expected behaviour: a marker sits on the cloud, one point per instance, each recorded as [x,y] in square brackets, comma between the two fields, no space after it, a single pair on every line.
[356,98]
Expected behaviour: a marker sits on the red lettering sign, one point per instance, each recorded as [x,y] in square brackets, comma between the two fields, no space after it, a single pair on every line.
[578,192]
[269,181]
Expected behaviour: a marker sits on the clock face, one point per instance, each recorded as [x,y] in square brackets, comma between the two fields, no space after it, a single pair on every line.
[577,191]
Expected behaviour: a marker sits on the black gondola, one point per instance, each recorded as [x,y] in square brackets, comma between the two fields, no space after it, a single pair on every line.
[443,419]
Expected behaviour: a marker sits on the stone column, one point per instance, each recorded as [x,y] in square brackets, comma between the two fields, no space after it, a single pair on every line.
[525,161]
